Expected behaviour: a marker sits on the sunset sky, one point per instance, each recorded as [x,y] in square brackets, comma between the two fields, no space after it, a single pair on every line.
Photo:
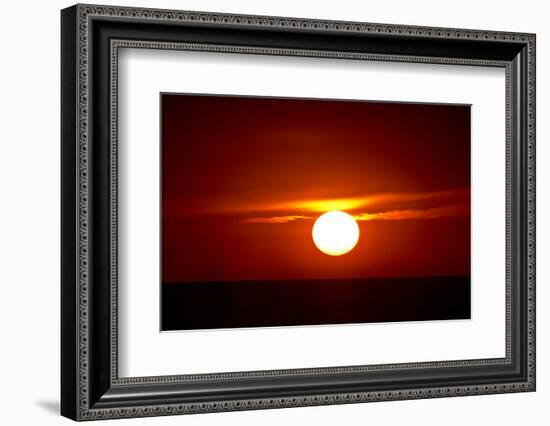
[243,180]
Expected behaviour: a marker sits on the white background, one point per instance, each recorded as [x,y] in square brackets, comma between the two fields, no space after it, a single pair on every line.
[146,352]
[29,229]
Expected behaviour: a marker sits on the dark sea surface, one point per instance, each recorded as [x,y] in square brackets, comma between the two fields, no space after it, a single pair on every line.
[234,304]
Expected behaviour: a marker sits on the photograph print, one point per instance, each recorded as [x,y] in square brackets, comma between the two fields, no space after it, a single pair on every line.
[291,212]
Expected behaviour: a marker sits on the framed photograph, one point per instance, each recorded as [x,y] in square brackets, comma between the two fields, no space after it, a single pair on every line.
[312,212]
[263,212]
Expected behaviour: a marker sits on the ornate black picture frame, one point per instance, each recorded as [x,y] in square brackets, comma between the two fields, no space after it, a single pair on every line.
[91,387]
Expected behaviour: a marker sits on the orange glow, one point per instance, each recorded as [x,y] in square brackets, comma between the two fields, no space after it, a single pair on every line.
[328,205]
[375,203]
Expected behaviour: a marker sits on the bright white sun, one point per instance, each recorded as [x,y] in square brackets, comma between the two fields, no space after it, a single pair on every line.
[335,233]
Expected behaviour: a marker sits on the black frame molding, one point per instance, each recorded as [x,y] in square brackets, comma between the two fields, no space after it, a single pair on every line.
[90,38]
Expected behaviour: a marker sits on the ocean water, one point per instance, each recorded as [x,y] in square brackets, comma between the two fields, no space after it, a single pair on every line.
[235,304]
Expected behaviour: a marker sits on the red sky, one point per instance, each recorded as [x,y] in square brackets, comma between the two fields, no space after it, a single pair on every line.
[243,180]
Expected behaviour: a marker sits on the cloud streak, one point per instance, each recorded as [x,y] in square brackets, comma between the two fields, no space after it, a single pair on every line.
[429,213]
[403,214]
[274,219]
